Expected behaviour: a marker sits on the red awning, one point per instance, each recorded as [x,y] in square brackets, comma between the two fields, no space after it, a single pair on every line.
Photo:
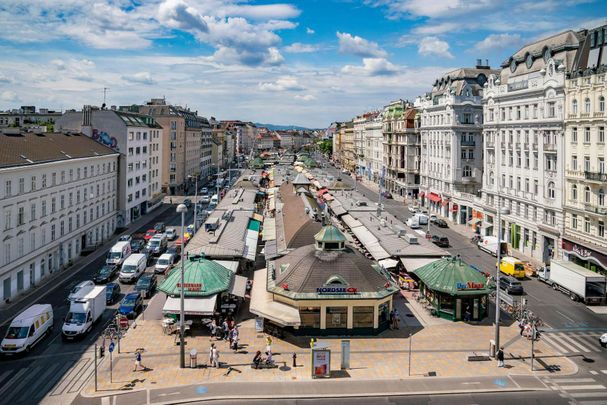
[454,208]
[434,197]
[422,194]
[445,202]
[321,192]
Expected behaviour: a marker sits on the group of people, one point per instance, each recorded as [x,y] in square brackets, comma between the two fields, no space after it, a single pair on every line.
[225,330]
[258,360]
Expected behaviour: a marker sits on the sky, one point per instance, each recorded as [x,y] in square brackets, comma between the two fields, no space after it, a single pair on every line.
[306,62]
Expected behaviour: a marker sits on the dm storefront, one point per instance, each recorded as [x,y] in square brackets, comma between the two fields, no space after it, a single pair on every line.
[586,257]
[324,288]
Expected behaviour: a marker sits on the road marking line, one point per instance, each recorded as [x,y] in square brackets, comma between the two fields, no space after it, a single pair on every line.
[583,387]
[14,378]
[601,402]
[573,380]
[575,343]
[44,379]
[3,376]
[604,371]
[15,390]
[593,372]
[563,343]
[549,339]
[105,401]
[565,316]
[588,394]
[592,343]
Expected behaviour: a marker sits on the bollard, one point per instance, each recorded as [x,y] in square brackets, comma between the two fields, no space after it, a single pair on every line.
[294,360]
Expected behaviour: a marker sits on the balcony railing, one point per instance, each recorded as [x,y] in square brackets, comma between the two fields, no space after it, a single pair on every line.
[550,147]
[594,176]
[534,146]
[469,143]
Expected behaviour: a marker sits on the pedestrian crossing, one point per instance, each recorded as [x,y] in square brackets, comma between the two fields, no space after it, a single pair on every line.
[573,342]
[55,379]
[581,391]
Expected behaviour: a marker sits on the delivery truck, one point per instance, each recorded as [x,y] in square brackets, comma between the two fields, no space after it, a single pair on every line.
[85,309]
[490,243]
[579,283]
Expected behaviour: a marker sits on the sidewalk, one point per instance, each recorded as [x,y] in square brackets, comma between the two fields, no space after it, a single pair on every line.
[39,291]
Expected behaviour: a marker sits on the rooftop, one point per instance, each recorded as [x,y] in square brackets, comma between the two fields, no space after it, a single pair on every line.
[202,278]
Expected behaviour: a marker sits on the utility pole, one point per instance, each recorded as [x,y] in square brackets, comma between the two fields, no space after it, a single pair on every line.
[105,89]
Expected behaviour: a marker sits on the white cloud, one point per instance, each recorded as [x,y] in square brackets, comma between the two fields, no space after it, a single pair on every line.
[140,78]
[434,8]
[262,12]
[286,83]
[309,31]
[498,42]
[372,67]
[305,97]
[178,14]
[433,46]
[298,47]
[4,79]
[355,45]
[9,96]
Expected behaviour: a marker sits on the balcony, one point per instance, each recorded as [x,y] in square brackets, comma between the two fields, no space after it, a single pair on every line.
[570,116]
[534,146]
[469,143]
[490,144]
[550,147]
[574,173]
[599,114]
[585,115]
[594,176]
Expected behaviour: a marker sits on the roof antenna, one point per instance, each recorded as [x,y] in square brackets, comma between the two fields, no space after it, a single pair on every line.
[105,89]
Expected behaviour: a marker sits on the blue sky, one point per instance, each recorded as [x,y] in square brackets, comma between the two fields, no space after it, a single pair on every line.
[306,62]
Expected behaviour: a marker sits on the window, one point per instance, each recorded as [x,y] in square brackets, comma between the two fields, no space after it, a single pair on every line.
[33,183]
[601,197]
[8,189]
[602,104]
[43,208]
[32,212]
[510,182]
[574,107]
[573,162]
[53,179]
[62,176]
[574,135]
[62,205]
[526,185]
[586,163]
[587,225]
[587,105]
[518,183]
[601,165]
[53,205]
[20,216]
[535,187]
[601,229]
[587,194]
[574,192]
[551,190]
[574,221]
[44,181]
[601,134]
[587,135]
[21,185]
[551,109]
[535,161]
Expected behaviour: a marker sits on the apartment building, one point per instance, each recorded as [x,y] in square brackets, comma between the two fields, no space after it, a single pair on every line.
[348,154]
[451,142]
[585,178]
[524,145]
[373,148]
[27,116]
[58,196]
[132,135]
[401,140]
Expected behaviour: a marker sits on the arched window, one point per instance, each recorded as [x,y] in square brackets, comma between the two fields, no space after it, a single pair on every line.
[587,105]
[491,178]
[574,107]
[601,197]
[602,104]
[574,192]
[551,190]
[467,172]
[587,194]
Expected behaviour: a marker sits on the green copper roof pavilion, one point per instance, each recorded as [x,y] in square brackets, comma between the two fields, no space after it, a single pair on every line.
[329,233]
[202,278]
[452,276]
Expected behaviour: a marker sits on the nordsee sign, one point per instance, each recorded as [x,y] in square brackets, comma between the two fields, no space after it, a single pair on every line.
[336,290]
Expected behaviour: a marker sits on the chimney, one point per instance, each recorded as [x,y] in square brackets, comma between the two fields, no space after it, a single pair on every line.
[87,127]
[480,65]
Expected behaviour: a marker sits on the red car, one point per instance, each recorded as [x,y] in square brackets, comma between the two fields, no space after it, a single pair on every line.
[149,234]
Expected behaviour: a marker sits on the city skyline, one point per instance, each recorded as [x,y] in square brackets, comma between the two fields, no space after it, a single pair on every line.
[294,62]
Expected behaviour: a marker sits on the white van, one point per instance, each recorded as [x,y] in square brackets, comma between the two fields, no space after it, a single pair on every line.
[133,267]
[27,329]
[158,244]
[413,223]
[490,243]
[422,218]
[215,199]
[164,263]
[118,253]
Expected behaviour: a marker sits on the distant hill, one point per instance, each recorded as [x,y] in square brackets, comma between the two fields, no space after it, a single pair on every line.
[273,127]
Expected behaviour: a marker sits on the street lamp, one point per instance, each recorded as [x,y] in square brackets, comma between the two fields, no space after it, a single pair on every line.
[500,211]
[195,200]
[182,209]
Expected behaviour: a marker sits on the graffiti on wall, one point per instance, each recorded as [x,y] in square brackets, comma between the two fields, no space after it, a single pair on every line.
[103,138]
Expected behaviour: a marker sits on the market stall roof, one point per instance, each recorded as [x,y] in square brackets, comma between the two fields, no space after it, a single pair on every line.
[192,306]
[414,263]
[301,179]
[351,221]
[269,229]
[263,304]
[388,263]
[238,286]
[452,276]
[202,278]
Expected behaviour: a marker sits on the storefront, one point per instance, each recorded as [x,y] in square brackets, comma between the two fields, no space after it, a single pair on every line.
[586,257]
[325,288]
[454,290]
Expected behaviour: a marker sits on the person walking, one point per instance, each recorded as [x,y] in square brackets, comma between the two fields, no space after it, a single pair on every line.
[500,357]
[396,318]
[226,329]
[211,354]
[138,360]
[268,344]
[521,326]
[215,354]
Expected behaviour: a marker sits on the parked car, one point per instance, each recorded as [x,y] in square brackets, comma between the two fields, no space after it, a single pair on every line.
[137,245]
[159,227]
[603,340]
[441,241]
[511,285]
[158,244]
[131,305]
[174,250]
[433,218]
[205,199]
[204,191]
[105,274]
[171,234]
[164,263]
[387,195]
[83,284]
[125,238]
[187,202]
[149,256]
[149,234]
[441,223]
[112,292]
[27,329]
[146,284]
[413,209]
[345,171]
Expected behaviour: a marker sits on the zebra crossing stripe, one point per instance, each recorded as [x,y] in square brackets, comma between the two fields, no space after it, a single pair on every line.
[583,387]
[572,380]
[575,344]
[589,340]
[562,343]
[16,377]
[601,402]
[549,339]
[588,394]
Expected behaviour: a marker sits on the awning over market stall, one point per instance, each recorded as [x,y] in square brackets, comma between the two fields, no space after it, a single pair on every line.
[192,306]
[263,304]
[414,263]
[238,286]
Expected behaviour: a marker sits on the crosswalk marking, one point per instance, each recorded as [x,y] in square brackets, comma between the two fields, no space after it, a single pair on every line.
[575,343]
[583,387]
[572,380]
[604,371]
[588,394]
[552,341]
[601,402]
[590,341]
[22,383]
[572,342]
[15,377]
[593,372]
[3,376]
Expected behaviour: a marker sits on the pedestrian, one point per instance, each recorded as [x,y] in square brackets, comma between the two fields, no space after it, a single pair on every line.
[396,318]
[235,343]
[521,326]
[268,344]
[391,318]
[467,314]
[215,354]
[226,329]
[171,201]
[138,360]
[211,354]
[500,357]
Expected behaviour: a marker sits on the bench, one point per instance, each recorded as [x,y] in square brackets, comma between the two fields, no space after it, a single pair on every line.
[263,364]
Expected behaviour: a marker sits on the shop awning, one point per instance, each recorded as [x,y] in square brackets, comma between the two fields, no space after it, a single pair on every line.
[474,221]
[269,229]
[434,197]
[388,263]
[452,276]
[378,252]
[338,209]
[351,221]
[263,304]
[328,197]
[251,239]
[422,194]
[364,236]
[414,263]
[239,286]
[486,224]
[231,265]
[191,306]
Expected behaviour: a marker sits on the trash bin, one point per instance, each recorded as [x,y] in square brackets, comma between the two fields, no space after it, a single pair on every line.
[492,350]
[193,358]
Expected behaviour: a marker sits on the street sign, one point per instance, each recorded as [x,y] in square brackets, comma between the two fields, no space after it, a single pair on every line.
[111,347]
[124,322]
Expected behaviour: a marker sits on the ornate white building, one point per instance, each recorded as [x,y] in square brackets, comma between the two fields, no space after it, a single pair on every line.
[524,145]
[57,197]
[585,205]
[373,148]
[452,143]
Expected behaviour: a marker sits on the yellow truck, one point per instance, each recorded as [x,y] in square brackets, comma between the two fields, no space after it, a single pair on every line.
[512,267]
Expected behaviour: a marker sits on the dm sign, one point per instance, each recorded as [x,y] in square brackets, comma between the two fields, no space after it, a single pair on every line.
[336,290]
[470,285]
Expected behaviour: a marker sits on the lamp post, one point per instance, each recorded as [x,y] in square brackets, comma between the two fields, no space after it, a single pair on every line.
[182,209]
[500,211]
[195,200]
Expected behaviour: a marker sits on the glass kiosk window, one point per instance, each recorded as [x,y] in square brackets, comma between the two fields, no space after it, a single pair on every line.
[337,317]
[363,317]
[310,317]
